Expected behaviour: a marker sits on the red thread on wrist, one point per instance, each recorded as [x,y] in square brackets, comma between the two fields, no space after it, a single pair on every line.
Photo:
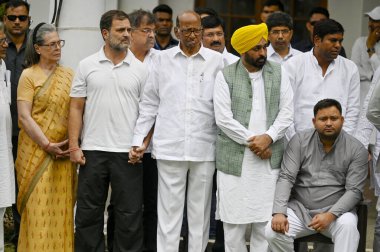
[74,149]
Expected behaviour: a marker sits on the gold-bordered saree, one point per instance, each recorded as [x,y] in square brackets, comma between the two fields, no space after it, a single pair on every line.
[47,186]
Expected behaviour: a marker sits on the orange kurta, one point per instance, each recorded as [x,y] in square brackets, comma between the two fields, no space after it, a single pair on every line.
[46,186]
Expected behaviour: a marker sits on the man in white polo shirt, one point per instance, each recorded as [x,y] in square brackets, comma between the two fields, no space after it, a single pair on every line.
[103,112]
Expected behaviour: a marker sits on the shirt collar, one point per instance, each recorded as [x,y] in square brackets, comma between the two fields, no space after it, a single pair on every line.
[102,57]
[336,142]
[177,51]
[271,51]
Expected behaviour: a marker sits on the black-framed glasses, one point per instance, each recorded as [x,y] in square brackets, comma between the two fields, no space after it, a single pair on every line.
[53,45]
[4,40]
[13,18]
[187,32]
[144,30]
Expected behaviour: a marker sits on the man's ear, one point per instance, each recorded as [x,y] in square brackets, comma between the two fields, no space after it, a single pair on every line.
[313,120]
[309,27]
[105,34]
[176,32]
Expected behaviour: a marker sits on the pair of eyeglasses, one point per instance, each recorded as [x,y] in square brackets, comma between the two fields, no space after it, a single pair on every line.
[13,18]
[213,34]
[278,32]
[144,30]
[4,40]
[187,32]
[53,45]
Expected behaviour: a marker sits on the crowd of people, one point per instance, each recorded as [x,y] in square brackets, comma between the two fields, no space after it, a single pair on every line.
[278,139]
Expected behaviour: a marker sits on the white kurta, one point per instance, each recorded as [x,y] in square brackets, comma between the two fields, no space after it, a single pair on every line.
[249,198]
[7,179]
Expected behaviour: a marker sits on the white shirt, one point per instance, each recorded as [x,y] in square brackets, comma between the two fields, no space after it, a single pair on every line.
[274,56]
[366,65]
[178,97]
[112,95]
[7,179]
[229,58]
[249,198]
[341,82]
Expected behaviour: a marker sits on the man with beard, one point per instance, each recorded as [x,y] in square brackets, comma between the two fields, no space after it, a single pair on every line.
[280,27]
[321,73]
[253,103]
[164,24]
[213,38]
[103,111]
[178,98]
[322,179]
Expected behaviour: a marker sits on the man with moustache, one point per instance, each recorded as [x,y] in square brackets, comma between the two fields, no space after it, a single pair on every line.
[253,103]
[164,24]
[316,14]
[280,27]
[213,38]
[178,93]
[103,111]
[142,42]
[322,179]
[322,73]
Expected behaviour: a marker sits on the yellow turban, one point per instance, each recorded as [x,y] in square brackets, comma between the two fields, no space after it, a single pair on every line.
[247,37]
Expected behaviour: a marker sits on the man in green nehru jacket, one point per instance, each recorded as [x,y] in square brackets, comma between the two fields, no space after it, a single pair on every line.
[253,103]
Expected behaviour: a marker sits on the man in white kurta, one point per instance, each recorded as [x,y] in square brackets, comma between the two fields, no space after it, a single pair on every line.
[280,28]
[7,182]
[321,73]
[247,199]
[178,98]
[366,52]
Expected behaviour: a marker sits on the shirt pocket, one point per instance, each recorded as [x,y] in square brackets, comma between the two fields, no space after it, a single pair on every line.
[338,172]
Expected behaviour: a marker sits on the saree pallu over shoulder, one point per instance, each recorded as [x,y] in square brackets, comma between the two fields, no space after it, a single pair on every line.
[50,111]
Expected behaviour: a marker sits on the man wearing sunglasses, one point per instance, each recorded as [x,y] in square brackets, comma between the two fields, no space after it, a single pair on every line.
[316,14]
[16,21]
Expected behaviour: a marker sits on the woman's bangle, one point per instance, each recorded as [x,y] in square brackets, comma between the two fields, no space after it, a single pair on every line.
[74,149]
[46,146]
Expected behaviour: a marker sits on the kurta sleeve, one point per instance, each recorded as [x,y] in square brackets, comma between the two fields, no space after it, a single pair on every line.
[291,164]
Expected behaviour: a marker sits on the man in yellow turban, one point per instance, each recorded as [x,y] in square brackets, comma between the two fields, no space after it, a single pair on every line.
[253,103]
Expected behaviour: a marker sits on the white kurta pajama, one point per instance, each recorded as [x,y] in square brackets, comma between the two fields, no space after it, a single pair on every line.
[7,179]
[249,198]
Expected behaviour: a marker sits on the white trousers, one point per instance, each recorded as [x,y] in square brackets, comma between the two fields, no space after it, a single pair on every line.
[172,177]
[234,237]
[2,212]
[343,231]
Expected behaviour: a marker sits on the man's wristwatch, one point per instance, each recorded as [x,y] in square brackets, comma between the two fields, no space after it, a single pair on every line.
[371,50]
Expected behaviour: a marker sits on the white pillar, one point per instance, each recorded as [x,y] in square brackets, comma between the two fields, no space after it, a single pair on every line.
[79,26]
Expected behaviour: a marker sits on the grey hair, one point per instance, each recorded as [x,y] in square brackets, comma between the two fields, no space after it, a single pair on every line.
[31,56]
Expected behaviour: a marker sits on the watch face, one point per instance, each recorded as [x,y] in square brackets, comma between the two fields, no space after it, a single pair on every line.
[370,50]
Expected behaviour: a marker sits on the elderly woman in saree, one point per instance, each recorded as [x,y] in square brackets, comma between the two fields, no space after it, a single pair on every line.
[45,175]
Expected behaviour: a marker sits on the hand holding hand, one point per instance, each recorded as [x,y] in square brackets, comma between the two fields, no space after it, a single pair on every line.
[76,156]
[136,153]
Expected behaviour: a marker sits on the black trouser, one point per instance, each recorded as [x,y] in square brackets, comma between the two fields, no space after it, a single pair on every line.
[150,203]
[16,215]
[102,168]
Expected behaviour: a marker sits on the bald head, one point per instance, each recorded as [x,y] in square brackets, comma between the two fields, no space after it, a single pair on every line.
[189,32]
[188,16]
